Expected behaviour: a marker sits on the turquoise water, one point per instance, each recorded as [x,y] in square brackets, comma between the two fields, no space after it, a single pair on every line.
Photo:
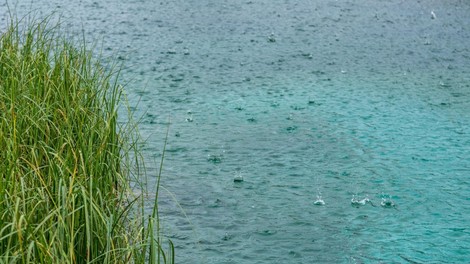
[347,100]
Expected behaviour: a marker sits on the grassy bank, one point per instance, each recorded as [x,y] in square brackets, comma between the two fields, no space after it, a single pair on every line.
[65,163]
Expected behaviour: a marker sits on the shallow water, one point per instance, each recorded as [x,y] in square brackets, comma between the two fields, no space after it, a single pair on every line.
[338,99]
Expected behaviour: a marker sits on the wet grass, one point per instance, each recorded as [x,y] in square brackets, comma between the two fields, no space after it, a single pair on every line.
[65,162]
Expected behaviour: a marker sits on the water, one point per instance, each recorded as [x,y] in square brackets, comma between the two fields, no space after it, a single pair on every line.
[318,105]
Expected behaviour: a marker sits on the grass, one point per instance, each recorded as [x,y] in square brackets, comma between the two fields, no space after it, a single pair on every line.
[65,162]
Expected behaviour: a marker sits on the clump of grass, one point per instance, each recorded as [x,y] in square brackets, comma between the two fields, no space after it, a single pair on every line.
[65,163]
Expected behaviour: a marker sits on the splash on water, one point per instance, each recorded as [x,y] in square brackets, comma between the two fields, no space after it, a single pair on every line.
[387,202]
[214,158]
[319,200]
[238,177]
[357,202]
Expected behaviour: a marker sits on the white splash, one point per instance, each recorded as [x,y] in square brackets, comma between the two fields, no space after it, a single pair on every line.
[238,177]
[358,202]
[319,201]
[387,202]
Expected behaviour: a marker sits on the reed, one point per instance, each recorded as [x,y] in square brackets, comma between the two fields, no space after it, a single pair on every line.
[65,161]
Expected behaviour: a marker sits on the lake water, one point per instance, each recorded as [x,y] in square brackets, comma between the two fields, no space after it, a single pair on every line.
[343,100]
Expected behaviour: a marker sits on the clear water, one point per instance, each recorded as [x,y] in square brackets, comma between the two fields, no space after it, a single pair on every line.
[339,99]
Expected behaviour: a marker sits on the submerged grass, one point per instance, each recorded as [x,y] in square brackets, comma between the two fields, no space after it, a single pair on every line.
[65,162]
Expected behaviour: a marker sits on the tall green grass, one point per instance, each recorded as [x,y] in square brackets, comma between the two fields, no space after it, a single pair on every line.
[65,162]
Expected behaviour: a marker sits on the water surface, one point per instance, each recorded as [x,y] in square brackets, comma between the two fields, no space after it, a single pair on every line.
[338,99]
